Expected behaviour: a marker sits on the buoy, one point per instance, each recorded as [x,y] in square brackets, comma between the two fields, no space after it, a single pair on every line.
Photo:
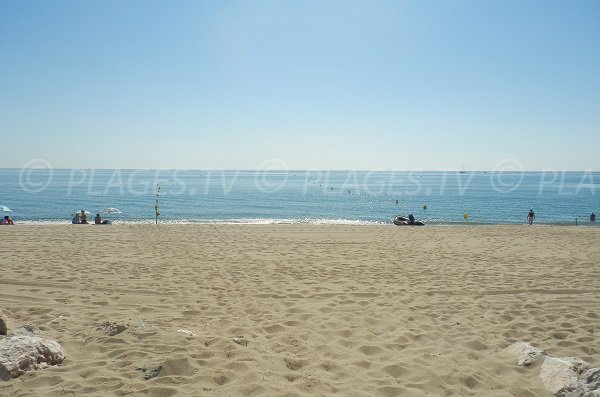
[425,207]
[465,215]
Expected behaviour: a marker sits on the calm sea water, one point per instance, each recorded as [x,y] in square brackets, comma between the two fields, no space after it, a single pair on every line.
[45,195]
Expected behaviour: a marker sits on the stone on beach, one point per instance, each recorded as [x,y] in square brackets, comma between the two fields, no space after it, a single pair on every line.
[150,373]
[567,377]
[22,353]
[563,377]
[111,328]
[240,340]
[559,375]
[526,354]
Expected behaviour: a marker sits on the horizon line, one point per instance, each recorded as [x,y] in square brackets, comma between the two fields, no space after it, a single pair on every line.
[458,170]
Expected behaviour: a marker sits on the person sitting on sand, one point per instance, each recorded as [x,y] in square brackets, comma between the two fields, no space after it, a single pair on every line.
[97,219]
[83,217]
[7,220]
[530,216]
[76,220]
[411,219]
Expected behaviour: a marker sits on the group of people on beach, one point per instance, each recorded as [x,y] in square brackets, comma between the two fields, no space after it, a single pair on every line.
[80,218]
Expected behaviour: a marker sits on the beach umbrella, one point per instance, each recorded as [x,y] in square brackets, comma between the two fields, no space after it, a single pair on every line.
[5,208]
[111,210]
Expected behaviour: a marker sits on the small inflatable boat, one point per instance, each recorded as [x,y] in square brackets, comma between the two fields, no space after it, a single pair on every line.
[405,221]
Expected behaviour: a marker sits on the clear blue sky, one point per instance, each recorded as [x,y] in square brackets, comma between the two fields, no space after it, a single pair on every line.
[314,84]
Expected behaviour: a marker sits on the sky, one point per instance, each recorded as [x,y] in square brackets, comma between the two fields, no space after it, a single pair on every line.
[375,85]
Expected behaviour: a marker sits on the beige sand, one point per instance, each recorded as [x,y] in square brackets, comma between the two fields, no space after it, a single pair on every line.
[325,310]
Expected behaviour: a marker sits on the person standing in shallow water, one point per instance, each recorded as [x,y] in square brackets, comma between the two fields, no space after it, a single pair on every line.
[530,216]
[592,217]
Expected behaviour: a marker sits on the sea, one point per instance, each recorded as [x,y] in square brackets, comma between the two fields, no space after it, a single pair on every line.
[43,195]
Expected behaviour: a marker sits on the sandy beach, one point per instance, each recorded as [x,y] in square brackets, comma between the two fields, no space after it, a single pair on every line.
[300,310]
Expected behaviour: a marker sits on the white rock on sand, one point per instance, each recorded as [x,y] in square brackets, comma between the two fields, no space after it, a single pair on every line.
[22,353]
[526,354]
[559,375]
[564,377]
[570,377]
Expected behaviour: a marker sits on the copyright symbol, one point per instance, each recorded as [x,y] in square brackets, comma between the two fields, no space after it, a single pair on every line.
[502,176]
[36,175]
[266,178]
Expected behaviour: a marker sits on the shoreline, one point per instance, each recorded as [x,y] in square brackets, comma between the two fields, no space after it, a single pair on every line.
[324,222]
